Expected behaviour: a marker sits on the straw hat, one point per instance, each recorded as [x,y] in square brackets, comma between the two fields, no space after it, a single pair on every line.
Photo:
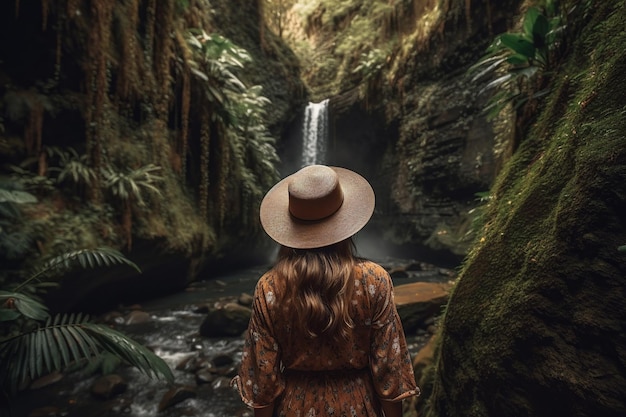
[317,206]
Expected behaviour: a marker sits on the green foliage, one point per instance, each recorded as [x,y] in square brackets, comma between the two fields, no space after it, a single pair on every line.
[85,258]
[131,184]
[252,146]
[516,60]
[73,168]
[215,58]
[275,14]
[38,343]
[13,242]
[477,215]
[238,110]
[32,181]
[370,64]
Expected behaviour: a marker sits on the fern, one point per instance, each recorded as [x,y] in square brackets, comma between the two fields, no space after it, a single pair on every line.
[87,258]
[39,343]
[68,339]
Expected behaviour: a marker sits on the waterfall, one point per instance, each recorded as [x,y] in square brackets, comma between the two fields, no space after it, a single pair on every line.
[315,133]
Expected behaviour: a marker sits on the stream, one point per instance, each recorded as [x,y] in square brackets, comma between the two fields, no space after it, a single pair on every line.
[171,331]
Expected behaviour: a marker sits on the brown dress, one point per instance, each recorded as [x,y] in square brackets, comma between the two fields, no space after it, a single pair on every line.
[309,377]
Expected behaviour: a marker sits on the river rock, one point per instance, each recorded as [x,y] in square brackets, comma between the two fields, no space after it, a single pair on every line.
[424,358]
[231,319]
[137,317]
[176,395]
[418,301]
[46,380]
[245,299]
[222,360]
[205,376]
[108,386]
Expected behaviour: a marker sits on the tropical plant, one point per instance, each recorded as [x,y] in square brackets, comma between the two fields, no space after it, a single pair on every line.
[214,60]
[128,188]
[236,111]
[13,242]
[73,168]
[32,181]
[370,64]
[518,60]
[35,343]
[252,147]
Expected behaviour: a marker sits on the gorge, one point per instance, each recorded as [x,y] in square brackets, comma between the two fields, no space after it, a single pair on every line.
[528,204]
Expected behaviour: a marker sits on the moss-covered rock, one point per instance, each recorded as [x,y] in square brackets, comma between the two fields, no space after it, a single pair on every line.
[535,325]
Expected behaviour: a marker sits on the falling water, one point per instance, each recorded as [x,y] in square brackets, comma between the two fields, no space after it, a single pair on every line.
[315,133]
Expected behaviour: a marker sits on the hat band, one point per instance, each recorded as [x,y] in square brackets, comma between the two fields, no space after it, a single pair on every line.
[316,208]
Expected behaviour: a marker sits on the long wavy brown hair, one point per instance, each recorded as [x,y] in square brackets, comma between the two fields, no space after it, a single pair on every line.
[319,287]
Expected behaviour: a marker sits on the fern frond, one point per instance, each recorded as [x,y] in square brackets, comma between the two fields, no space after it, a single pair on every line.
[67,339]
[87,258]
[132,352]
[24,304]
[16,196]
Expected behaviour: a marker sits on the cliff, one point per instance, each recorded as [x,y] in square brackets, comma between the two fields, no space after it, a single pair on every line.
[535,323]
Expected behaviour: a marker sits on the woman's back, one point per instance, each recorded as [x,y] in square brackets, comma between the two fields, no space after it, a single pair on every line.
[324,338]
[318,374]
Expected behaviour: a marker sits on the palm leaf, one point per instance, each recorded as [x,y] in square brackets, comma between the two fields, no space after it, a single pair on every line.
[16,196]
[518,43]
[25,305]
[85,257]
[68,339]
[125,348]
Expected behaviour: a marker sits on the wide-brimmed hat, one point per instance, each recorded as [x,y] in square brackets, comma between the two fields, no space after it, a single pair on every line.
[317,206]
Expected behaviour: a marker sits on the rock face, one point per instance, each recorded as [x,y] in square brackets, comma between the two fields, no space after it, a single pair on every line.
[419,134]
[535,324]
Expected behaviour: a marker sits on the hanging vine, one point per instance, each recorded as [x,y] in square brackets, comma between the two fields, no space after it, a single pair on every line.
[205,141]
[224,164]
[184,124]
[97,84]
[128,78]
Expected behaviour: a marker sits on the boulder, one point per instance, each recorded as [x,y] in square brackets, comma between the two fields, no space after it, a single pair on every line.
[175,396]
[228,320]
[108,386]
[418,301]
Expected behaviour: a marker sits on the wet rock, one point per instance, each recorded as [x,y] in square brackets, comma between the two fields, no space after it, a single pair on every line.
[399,272]
[417,302]
[176,395]
[137,317]
[415,266]
[245,299]
[46,380]
[230,319]
[183,365]
[108,386]
[424,358]
[221,382]
[205,376]
[222,360]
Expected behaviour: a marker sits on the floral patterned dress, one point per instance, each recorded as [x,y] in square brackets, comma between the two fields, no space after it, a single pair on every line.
[307,377]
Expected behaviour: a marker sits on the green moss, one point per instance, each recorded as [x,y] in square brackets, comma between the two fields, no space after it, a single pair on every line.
[535,305]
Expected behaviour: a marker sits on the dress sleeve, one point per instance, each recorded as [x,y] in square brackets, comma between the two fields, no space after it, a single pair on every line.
[259,380]
[390,361]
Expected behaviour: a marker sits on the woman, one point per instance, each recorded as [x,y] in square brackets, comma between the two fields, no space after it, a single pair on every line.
[324,338]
